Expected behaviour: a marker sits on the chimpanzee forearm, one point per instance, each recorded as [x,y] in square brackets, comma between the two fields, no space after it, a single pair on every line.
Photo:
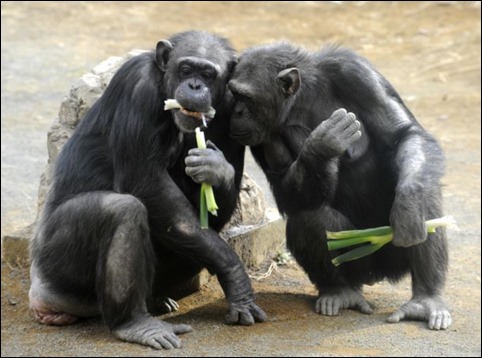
[317,162]
[178,228]
[309,172]
[420,164]
[206,247]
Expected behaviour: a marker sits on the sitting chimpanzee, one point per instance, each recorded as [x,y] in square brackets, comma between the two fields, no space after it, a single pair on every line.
[342,151]
[121,224]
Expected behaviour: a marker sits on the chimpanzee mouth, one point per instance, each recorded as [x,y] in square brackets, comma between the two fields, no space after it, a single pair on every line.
[198,115]
[189,118]
[200,118]
[188,121]
[244,137]
[187,115]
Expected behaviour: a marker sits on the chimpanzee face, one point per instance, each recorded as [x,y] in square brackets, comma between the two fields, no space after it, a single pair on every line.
[195,76]
[262,95]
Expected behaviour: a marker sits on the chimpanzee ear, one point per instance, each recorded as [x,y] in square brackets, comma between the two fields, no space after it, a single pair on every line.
[232,64]
[289,81]
[163,50]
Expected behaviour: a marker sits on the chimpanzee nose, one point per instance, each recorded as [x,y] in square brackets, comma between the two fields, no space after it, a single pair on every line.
[195,85]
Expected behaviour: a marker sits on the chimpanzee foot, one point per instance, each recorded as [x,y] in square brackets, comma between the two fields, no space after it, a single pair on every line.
[169,305]
[151,332]
[332,300]
[162,305]
[425,308]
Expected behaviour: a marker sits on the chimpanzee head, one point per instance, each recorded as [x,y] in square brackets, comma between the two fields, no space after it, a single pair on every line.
[196,68]
[263,84]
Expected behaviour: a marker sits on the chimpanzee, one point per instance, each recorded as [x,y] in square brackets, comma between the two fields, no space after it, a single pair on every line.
[342,151]
[120,226]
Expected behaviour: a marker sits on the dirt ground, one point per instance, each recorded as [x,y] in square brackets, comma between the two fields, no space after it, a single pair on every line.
[429,51]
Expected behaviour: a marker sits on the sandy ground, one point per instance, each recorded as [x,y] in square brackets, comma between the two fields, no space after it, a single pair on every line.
[431,52]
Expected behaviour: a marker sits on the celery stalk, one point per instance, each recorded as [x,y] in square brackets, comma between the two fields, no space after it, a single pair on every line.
[377,237]
[203,209]
[348,234]
[357,253]
[207,201]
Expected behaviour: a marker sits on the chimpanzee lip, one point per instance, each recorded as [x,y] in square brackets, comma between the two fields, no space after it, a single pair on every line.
[243,138]
[236,134]
[196,114]
[190,113]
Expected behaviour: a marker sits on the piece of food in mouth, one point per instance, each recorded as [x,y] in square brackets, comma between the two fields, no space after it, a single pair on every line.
[173,104]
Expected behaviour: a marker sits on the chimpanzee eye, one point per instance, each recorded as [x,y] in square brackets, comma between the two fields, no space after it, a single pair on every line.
[185,71]
[208,76]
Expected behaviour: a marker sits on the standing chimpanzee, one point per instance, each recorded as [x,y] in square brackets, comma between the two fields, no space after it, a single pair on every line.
[341,151]
[121,224]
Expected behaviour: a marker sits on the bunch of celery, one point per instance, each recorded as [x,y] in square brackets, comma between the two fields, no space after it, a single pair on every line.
[377,237]
[207,201]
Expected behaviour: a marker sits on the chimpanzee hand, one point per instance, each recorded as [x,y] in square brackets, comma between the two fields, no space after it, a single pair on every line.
[209,166]
[335,135]
[245,314]
[407,217]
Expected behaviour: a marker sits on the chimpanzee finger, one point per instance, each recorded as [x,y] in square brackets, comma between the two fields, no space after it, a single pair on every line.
[344,123]
[232,317]
[337,116]
[195,152]
[354,137]
[258,314]
[246,319]
[193,160]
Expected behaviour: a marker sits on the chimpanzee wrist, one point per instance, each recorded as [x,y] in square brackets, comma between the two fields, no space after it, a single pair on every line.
[236,285]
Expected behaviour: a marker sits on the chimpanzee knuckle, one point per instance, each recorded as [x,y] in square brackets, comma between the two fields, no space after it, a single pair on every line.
[190,161]
[211,163]
[215,156]
[196,174]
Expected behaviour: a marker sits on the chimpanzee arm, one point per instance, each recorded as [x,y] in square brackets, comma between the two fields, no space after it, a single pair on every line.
[419,161]
[316,165]
[176,224]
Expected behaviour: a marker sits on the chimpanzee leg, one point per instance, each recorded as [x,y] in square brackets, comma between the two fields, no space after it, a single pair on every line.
[306,239]
[429,263]
[102,243]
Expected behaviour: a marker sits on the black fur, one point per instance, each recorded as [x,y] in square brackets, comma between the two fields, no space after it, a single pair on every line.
[121,224]
[330,169]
